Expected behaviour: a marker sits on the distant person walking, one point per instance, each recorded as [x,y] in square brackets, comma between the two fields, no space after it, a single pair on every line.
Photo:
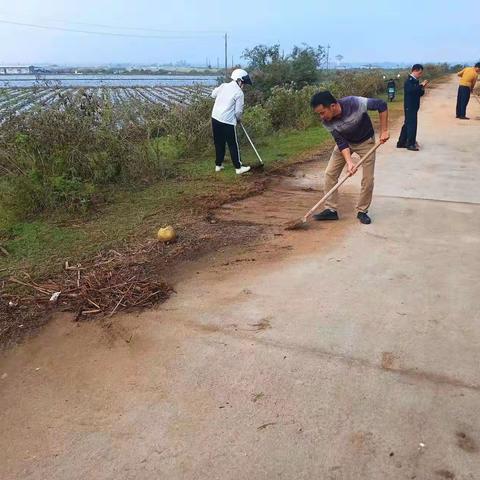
[227,112]
[468,79]
[413,90]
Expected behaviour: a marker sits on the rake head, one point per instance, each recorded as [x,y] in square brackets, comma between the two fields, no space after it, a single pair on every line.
[258,167]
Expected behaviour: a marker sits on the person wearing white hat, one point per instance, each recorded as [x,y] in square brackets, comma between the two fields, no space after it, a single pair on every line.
[227,112]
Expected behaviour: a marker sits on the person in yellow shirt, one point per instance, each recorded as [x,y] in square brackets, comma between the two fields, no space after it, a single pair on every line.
[468,79]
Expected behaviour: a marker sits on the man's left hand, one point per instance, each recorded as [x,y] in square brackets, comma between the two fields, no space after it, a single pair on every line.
[384,136]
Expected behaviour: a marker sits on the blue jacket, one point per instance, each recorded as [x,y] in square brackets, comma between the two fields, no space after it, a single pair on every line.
[413,91]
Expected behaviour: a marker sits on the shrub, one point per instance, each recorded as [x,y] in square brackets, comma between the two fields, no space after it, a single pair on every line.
[290,108]
[257,121]
[62,158]
[282,107]
[363,84]
[190,125]
[436,70]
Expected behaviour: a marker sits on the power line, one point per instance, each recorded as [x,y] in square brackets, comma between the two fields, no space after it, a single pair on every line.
[120,27]
[108,34]
[141,29]
[114,27]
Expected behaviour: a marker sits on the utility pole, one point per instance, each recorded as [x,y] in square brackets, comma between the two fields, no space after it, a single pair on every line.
[328,54]
[226,56]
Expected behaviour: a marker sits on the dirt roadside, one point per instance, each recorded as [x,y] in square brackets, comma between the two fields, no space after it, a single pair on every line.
[101,286]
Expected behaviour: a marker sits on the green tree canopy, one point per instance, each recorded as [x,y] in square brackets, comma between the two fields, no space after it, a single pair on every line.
[270,67]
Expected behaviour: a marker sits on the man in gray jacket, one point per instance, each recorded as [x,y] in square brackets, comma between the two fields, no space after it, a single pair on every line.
[348,121]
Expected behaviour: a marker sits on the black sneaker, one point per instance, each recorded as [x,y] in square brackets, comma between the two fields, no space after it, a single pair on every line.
[364,218]
[413,148]
[401,145]
[327,214]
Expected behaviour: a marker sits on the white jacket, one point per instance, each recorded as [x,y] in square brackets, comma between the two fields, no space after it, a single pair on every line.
[229,100]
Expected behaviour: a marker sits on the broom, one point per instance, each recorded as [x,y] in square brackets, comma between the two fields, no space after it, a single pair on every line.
[301,222]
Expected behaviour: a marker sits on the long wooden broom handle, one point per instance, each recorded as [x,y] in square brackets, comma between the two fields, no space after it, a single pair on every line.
[340,182]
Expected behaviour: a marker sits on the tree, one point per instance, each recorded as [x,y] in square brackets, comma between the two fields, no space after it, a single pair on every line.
[305,63]
[262,55]
[269,67]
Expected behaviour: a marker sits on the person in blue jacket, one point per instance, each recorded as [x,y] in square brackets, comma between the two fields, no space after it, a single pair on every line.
[413,90]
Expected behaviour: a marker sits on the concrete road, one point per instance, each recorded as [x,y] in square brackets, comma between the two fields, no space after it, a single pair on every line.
[342,352]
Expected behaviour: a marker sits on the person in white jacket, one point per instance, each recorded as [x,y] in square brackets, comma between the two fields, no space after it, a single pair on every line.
[227,112]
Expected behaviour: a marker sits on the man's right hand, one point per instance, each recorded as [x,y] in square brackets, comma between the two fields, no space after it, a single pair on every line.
[351,168]
[424,83]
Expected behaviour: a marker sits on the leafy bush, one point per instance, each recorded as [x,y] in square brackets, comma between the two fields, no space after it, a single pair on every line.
[258,122]
[63,157]
[282,107]
[436,70]
[363,84]
[289,108]
[190,126]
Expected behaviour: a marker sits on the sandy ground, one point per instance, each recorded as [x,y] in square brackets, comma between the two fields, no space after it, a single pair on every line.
[341,352]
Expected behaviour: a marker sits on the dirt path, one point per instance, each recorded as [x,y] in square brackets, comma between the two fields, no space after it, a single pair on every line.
[342,352]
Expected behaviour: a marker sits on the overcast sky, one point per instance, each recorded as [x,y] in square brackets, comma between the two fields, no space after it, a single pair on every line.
[361,31]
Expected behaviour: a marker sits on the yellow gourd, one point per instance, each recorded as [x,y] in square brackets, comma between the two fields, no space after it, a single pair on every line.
[166,234]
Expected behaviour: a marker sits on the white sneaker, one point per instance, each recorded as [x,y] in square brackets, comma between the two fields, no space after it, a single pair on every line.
[219,168]
[241,170]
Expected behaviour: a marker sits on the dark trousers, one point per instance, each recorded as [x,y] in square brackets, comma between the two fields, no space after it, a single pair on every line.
[223,133]
[408,135]
[463,98]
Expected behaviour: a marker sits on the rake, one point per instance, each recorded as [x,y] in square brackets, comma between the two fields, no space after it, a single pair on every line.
[261,165]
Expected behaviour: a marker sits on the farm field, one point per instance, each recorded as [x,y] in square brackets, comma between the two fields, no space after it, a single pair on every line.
[18,99]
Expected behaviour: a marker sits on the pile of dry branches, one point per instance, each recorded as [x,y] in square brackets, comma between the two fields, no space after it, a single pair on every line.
[108,284]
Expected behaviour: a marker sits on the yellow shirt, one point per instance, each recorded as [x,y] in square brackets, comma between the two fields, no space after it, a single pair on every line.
[468,77]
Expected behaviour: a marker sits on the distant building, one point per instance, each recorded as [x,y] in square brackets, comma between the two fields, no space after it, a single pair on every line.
[19,70]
